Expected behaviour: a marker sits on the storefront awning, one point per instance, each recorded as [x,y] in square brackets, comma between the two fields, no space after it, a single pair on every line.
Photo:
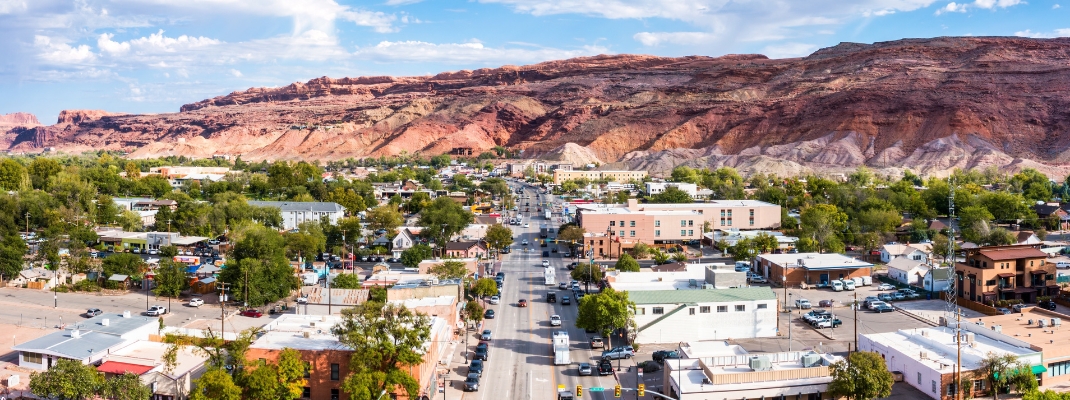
[1037,370]
[1005,275]
[1040,272]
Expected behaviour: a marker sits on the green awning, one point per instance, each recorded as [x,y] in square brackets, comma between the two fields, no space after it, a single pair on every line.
[1037,370]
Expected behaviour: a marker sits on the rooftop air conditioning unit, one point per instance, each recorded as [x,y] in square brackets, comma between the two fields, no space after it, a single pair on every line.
[760,363]
[1043,323]
[706,381]
[312,324]
[923,355]
[105,322]
[811,360]
[126,314]
[76,334]
[306,334]
[925,332]
[1056,322]
[970,337]
[997,328]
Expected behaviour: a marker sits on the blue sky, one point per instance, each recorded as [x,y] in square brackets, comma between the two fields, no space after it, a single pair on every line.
[151,56]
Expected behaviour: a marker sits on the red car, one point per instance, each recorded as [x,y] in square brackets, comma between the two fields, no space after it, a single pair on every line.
[826,303]
[252,313]
[522,303]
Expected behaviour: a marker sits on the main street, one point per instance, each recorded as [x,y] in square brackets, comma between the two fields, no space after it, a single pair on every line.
[520,365]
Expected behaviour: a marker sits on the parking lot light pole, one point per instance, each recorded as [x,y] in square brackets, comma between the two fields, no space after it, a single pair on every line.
[789,327]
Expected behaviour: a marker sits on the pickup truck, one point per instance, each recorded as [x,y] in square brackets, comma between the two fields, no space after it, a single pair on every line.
[802,304]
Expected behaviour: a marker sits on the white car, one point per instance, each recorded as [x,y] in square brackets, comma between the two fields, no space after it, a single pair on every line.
[196,302]
[525,242]
[546,263]
[555,320]
[526,225]
[802,304]
[885,286]
[156,311]
[302,300]
[494,300]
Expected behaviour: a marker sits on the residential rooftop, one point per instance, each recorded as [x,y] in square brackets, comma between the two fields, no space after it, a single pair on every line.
[939,347]
[733,373]
[815,260]
[151,354]
[701,296]
[300,332]
[291,206]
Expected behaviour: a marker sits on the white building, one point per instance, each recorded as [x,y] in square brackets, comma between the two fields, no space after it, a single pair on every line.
[912,251]
[146,359]
[907,271]
[682,276]
[653,188]
[937,279]
[296,212]
[673,316]
[405,239]
[927,356]
[720,371]
[733,236]
[90,341]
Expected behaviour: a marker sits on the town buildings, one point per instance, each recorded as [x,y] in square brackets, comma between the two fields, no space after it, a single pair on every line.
[147,360]
[1042,330]
[732,236]
[1018,272]
[678,276]
[796,269]
[561,175]
[912,251]
[926,356]
[87,342]
[653,188]
[296,212]
[673,316]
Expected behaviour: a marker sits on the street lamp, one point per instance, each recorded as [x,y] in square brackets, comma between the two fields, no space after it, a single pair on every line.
[789,326]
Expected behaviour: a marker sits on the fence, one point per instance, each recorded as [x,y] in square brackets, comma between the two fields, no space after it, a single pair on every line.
[973,305]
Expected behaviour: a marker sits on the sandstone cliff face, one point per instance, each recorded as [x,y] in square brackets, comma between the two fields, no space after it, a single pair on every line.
[927,104]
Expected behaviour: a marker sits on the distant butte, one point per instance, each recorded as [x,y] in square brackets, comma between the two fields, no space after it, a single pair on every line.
[930,104]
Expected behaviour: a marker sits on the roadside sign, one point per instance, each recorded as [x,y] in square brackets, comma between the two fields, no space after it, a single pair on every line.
[561,387]
[597,389]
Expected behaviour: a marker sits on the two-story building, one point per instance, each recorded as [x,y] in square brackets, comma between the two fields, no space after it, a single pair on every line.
[653,188]
[561,175]
[296,212]
[994,273]
[672,224]
[468,249]
[722,371]
[912,251]
[673,316]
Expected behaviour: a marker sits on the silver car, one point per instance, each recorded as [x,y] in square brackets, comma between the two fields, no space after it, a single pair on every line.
[585,369]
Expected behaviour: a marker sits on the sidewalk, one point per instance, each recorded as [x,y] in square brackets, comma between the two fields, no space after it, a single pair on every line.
[453,367]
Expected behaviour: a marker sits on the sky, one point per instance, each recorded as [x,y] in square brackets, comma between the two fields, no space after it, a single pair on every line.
[152,56]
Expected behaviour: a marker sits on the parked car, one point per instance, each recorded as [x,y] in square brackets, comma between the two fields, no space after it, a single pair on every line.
[196,302]
[252,312]
[471,383]
[883,308]
[546,263]
[476,367]
[1003,310]
[868,300]
[815,315]
[486,335]
[585,369]
[494,300]
[618,352]
[482,351]
[802,304]
[562,286]
[874,304]
[156,311]
[500,275]
[826,303]
[884,297]
[92,312]
[886,286]
[1047,305]
[661,355]
[597,343]
[302,300]
[555,320]
[898,296]
[522,303]
[910,294]
[489,314]
[605,367]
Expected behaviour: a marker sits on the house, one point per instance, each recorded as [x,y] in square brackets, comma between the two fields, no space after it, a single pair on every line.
[937,225]
[914,251]
[88,342]
[907,271]
[926,356]
[405,239]
[329,359]
[146,359]
[1048,338]
[119,281]
[937,279]
[653,188]
[811,268]
[37,278]
[382,241]
[467,249]
[1027,237]
[1053,212]
[730,372]
[296,212]
[673,316]
[995,273]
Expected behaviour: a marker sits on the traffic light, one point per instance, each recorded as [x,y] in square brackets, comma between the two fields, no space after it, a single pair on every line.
[616,391]
[579,390]
[642,390]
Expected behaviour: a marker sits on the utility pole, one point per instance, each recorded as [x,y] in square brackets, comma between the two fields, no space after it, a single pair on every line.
[222,306]
[27,223]
[855,307]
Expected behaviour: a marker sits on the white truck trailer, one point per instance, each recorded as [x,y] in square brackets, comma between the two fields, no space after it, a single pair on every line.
[561,348]
[550,275]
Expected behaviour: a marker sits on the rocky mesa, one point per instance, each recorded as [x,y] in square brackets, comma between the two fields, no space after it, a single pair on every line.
[928,104]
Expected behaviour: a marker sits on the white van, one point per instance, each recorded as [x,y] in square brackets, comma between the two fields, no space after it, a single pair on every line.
[837,286]
[849,284]
[867,280]
[859,282]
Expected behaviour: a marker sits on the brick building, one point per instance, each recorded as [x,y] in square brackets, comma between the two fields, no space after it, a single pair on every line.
[811,268]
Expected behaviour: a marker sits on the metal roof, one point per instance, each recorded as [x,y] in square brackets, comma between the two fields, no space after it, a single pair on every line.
[311,206]
[701,295]
[65,344]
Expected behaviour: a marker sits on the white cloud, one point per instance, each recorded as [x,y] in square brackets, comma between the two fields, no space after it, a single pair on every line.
[61,53]
[951,7]
[1064,32]
[12,6]
[467,53]
[1055,6]
[235,73]
[685,38]
[401,2]
[984,4]
[788,50]
[306,14]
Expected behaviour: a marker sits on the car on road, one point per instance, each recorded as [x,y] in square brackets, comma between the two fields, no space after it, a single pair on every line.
[546,254]
[572,266]
[886,286]
[195,302]
[883,308]
[500,275]
[476,367]
[522,303]
[562,286]
[605,367]
[597,343]
[554,250]
[802,304]
[555,320]
[565,300]
[156,311]
[301,300]
[526,225]
[585,369]
[482,351]
[579,296]
[618,352]
[92,312]
[252,312]
[546,263]
[525,242]
[471,383]
[489,314]
[661,355]
[826,303]
[486,335]
[494,300]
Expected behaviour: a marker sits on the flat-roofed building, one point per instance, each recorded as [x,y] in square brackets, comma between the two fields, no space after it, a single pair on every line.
[795,269]
[927,356]
[296,212]
[673,224]
[1041,329]
[653,188]
[729,372]
[673,316]
[561,175]
[89,342]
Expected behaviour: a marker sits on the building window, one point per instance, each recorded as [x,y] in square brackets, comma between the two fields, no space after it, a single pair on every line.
[691,310]
[657,223]
[334,372]
[919,378]
[612,223]
[763,306]
[704,309]
[741,308]
[979,385]
[722,213]
[334,394]
[729,221]
[621,224]
[683,223]
[657,233]
[722,308]
[752,221]
[729,213]
[690,232]
[934,386]
[640,311]
[631,223]
[1059,368]
[632,233]
[306,392]
[621,232]
[752,212]
[722,221]
[308,370]
[34,358]
[683,232]
[658,310]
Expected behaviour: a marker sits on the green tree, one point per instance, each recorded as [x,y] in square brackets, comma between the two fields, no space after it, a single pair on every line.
[862,376]
[587,273]
[449,270]
[42,170]
[385,217]
[13,176]
[473,311]
[127,386]
[68,380]
[215,384]
[170,280]
[387,339]
[680,257]
[765,243]
[346,281]
[258,266]
[1046,395]
[744,249]
[660,257]
[291,370]
[412,256]
[641,250]
[444,218]
[605,312]
[627,264]
[672,194]
[822,222]
[974,221]
[307,241]
[499,236]
[996,369]
[12,249]
[1033,185]
[484,287]
[123,264]
[998,237]
[1023,379]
